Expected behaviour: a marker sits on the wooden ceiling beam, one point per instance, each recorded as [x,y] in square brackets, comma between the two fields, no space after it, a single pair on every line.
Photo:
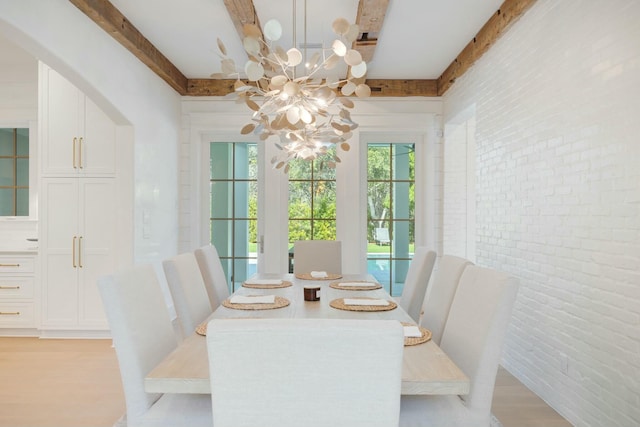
[370,18]
[103,13]
[243,12]
[379,87]
[510,11]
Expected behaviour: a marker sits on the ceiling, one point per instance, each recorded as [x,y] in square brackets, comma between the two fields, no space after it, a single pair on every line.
[420,46]
[418,38]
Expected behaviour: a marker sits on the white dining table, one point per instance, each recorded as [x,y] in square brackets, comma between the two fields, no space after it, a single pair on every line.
[426,368]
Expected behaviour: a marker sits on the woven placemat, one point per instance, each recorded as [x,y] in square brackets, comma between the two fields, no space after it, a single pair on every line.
[279,303]
[307,276]
[202,328]
[284,284]
[426,335]
[340,305]
[338,285]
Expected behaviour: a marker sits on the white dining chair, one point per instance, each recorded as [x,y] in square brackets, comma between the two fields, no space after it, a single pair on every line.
[472,338]
[142,336]
[186,285]
[416,281]
[317,255]
[215,280]
[440,294]
[305,372]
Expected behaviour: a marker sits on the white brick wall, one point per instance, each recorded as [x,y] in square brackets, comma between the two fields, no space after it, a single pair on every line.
[558,199]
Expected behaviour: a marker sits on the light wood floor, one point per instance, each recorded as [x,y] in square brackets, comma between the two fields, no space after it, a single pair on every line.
[76,383]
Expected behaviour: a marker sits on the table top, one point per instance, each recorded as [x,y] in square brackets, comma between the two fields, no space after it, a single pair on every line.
[426,368]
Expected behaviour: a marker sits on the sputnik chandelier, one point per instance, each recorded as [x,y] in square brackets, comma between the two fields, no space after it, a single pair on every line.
[307,113]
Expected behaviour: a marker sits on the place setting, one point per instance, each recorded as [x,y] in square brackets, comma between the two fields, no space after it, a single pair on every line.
[266,283]
[414,334]
[318,275]
[363,304]
[255,302]
[356,285]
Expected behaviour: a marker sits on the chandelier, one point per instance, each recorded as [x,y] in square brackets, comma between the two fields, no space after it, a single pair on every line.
[308,114]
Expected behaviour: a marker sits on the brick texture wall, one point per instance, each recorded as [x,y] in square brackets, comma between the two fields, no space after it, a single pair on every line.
[557,104]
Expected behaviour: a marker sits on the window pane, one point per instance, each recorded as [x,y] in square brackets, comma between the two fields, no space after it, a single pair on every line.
[6,173]
[6,142]
[22,136]
[243,161]
[299,199]
[299,170]
[6,202]
[324,230]
[378,162]
[221,199]
[220,161]
[221,232]
[241,238]
[299,230]
[402,197]
[378,196]
[324,205]
[22,172]
[22,203]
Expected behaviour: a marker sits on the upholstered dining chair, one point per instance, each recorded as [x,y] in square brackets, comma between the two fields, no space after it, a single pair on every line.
[416,282]
[213,274]
[142,336]
[440,294]
[187,288]
[317,255]
[472,338]
[335,372]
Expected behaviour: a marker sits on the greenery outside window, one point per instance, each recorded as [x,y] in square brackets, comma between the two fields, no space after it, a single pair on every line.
[14,172]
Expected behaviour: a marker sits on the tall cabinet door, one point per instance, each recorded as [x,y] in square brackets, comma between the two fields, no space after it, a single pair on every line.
[59,241]
[97,231]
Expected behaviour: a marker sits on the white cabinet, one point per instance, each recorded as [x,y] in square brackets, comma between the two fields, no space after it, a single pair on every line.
[17,291]
[78,241]
[84,207]
[77,138]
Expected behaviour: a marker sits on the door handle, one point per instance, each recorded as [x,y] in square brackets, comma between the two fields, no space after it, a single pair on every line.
[80,252]
[75,140]
[73,252]
[81,141]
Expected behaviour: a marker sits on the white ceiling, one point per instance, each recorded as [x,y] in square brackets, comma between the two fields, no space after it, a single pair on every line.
[418,40]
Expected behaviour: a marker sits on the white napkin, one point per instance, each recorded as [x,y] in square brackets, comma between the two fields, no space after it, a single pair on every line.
[257,299]
[318,274]
[362,301]
[412,332]
[357,284]
[264,282]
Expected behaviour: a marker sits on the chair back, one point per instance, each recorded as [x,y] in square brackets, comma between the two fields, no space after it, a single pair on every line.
[215,280]
[440,294]
[334,372]
[416,282]
[190,298]
[141,330]
[475,330]
[317,255]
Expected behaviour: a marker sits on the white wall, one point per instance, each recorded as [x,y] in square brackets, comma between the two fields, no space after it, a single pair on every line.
[558,199]
[57,33]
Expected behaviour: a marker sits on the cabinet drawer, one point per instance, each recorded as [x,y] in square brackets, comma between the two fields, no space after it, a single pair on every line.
[10,264]
[16,287]
[17,314]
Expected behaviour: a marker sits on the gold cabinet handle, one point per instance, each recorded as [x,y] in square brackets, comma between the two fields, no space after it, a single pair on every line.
[75,140]
[80,152]
[9,265]
[73,249]
[10,287]
[80,252]
[9,313]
